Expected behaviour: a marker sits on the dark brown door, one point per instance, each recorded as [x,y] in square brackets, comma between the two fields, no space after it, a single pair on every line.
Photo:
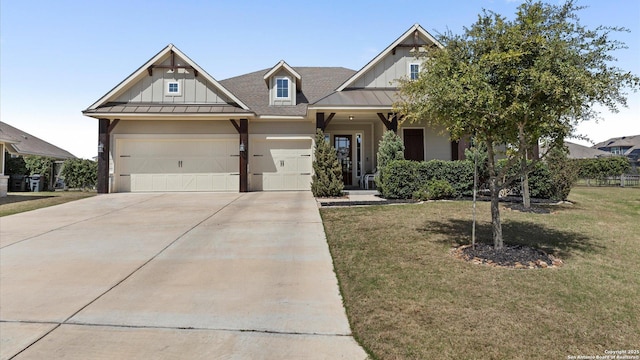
[342,144]
[414,144]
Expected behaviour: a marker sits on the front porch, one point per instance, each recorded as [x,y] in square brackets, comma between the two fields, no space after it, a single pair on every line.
[356,133]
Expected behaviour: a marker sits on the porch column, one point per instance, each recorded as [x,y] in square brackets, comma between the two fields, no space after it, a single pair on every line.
[103,157]
[244,155]
[320,121]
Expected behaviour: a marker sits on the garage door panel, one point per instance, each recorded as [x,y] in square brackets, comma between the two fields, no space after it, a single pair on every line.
[178,165]
[282,164]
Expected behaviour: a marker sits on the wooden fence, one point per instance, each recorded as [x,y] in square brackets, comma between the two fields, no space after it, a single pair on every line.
[626,180]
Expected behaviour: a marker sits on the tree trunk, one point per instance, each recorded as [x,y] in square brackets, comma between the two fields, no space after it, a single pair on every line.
[526,198]
[496,225]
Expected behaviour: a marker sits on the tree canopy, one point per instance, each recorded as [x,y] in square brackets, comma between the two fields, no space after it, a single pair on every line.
[514,82]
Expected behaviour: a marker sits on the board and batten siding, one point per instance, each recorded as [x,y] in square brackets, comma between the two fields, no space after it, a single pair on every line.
[386,72]
[193,89]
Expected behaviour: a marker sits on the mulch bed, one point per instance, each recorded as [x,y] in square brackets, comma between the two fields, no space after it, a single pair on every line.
[511,256]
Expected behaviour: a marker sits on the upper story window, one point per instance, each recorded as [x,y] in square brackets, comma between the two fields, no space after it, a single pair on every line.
[414,71]
[282,88]
[173,88]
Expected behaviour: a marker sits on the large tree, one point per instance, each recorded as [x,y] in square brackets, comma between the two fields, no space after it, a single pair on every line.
[511,83]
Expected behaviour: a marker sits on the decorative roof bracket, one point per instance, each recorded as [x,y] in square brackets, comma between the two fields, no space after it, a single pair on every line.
[173,66]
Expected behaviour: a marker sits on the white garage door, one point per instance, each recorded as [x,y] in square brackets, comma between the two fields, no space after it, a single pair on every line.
[177,165]
[280,164]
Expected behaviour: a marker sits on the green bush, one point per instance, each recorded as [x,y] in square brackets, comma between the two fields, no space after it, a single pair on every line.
[434,190]
[563,172]
[80,173]
[601,168]
[390,148]
[327,177]
[540,184]
[458,173]
[402,178]
[399,179]
[41,165]
[15,165]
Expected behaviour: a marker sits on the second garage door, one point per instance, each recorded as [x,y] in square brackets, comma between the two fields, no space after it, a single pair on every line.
[280,164]
[177,165]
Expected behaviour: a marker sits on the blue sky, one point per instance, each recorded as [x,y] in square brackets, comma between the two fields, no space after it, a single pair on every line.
[58,57]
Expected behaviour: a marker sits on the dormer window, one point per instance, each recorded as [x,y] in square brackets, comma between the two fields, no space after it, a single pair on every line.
[414,71]
[282,88]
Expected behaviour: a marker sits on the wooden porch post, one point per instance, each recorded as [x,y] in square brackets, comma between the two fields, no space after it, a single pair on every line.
[103,157]
[391,124]
[320,121]
[244,156]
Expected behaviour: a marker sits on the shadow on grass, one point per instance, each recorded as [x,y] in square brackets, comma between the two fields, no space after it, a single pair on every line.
[552,241]
[11,199]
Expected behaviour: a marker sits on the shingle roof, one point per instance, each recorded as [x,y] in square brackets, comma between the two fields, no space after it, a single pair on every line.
[633,142]
[317,82]
[577,151]
[26,144]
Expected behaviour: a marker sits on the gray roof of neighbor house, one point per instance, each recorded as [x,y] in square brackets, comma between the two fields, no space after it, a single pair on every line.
[632,141]
[577,151]
[22,143]
[317,82]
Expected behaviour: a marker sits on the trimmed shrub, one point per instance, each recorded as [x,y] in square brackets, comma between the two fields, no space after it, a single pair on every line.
[400,179]
[390,148]
[540,184]
[327,173]
[434,190]
[458,173]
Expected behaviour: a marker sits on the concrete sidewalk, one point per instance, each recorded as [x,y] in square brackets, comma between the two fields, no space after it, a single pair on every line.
[165,276]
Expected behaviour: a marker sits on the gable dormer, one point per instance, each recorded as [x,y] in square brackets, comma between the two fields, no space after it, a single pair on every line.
[283,83]
[399,60]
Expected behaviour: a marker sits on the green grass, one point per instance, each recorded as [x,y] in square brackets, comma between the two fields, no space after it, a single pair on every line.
[407,298]
[26,201]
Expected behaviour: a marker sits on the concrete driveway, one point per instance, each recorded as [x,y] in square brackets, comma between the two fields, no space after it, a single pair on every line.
[171,276]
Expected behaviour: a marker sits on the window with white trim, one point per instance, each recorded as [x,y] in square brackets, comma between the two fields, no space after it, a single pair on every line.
[282,88]
[414,71]
[173,88]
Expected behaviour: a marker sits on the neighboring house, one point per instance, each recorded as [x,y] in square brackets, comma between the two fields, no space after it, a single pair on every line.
[15,142]
[577,151]
[628,146]
[170,126]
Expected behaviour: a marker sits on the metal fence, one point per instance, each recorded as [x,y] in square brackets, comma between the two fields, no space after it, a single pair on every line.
[626,180]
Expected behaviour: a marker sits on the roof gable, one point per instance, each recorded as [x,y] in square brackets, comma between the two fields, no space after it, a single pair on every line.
[415,37]
[284,66]
[138,86]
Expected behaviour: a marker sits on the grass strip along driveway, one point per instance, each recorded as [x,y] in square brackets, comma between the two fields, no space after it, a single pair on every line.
[408,298]
[19,202]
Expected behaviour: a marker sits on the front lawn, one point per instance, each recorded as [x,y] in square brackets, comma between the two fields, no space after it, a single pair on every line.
[18,202]
[407,298]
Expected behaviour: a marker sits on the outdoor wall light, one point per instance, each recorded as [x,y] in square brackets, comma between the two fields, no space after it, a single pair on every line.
[351,117]
[242,146]
[100,148]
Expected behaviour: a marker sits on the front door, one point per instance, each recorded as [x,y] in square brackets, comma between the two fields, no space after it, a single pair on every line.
[414,144]
[342,143]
